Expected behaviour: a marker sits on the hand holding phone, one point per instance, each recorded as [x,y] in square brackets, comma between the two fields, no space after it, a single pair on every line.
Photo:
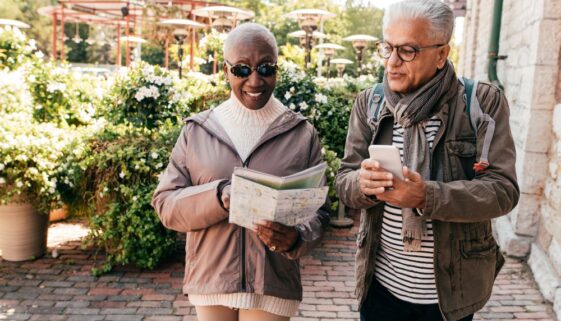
[388,157]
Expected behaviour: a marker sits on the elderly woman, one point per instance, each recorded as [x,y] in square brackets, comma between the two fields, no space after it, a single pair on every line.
[233,273]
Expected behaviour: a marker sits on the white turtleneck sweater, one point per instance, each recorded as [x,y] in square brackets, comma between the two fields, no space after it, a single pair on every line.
[245,127]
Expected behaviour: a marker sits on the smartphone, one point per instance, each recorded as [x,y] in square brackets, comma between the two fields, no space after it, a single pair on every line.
[388,157]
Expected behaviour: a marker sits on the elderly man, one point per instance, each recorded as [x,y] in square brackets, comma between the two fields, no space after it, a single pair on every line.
[425,244]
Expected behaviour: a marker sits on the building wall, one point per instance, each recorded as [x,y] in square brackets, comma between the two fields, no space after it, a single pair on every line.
[531,37]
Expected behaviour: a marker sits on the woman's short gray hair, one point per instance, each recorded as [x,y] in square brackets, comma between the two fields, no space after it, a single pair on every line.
[249,31]
[439,15]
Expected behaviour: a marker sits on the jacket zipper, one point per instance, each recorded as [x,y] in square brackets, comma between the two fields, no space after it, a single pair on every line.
[244,288]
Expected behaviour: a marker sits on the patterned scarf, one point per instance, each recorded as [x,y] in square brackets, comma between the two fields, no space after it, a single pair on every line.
[412,111]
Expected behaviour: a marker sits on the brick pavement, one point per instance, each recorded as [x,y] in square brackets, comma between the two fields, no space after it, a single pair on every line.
[62,288]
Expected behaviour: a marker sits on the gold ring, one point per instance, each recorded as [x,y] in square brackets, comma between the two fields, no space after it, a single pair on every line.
[272,248]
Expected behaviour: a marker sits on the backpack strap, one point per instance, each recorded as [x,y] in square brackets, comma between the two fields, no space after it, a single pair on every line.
[375,102]
[469,85]
[476,116]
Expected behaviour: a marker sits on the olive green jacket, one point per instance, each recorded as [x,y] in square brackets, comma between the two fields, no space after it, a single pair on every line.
[460,202]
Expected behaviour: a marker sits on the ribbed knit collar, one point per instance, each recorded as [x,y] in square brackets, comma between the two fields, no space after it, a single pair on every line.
[235,111]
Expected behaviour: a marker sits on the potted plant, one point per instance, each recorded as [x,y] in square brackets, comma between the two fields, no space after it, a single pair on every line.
[30,155]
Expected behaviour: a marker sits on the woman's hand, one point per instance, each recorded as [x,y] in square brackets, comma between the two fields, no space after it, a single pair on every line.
[277,237]
[225,198]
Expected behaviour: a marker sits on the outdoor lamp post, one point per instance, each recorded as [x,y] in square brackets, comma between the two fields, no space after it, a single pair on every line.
[360,42]
[309,20]
[180,35]
[13,23]
[329,51]
[132,40]
[223,18]
[340,64]
[301,35]
[181,23]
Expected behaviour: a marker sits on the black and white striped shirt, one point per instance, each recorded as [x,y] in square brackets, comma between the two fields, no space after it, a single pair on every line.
[407,275]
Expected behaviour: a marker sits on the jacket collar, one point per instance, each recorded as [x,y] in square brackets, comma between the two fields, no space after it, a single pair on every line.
[208,121]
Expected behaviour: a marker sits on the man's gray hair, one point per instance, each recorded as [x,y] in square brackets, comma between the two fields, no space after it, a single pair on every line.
[247,32]
[439,15]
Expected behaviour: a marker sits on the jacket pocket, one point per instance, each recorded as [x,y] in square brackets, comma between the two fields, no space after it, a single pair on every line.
[478,264]
[462,157]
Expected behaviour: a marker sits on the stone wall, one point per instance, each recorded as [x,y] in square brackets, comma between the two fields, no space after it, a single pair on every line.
[531,37]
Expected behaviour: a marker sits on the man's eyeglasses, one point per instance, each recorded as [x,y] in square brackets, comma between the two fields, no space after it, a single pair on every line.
[267,69]
[406,53]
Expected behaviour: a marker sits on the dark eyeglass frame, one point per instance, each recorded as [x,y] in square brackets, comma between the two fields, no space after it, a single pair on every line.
[413,49]
[259,69]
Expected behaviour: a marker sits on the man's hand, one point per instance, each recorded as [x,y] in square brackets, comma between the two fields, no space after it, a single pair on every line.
[408,193]
[277,237]
[226,196]
[373,180]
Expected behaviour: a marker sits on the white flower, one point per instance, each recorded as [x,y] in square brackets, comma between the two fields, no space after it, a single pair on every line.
[39,54]
[122,175]
[19,184]
[321,98]
[159,165]
[2,166]
[287,95]
[2,181]
[330,113]
[292,106]
[134,198]
[55,86]
[154,155]
[292,90]
[303,105]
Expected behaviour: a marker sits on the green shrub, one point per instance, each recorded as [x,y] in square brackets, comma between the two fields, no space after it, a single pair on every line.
[15,49]
[59,96]
[113,183]
[144,96]
[30,159]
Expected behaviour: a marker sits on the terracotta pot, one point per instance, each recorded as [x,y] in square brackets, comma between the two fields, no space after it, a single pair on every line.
[23,232]
[58,214]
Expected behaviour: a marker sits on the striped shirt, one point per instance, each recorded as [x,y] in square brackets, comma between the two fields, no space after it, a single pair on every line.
[407,275]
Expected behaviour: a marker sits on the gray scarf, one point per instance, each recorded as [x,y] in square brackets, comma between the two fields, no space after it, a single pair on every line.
[412,111]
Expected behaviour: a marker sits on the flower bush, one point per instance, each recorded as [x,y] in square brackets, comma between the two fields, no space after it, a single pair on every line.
[15,49]
[30,155]
[15,96]
[59,96]
[201,92]
[113,182]
[144,96]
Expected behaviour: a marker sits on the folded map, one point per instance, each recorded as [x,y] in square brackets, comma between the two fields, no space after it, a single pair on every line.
[288,200]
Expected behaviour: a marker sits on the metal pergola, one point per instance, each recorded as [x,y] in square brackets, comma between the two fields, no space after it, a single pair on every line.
[119,14]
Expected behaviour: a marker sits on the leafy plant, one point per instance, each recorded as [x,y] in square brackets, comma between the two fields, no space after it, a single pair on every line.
[15,49]
[114,181]
[30,156]
[143,96]
[59,96]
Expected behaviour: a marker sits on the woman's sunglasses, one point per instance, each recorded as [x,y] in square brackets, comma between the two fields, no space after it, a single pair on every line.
[267,69]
